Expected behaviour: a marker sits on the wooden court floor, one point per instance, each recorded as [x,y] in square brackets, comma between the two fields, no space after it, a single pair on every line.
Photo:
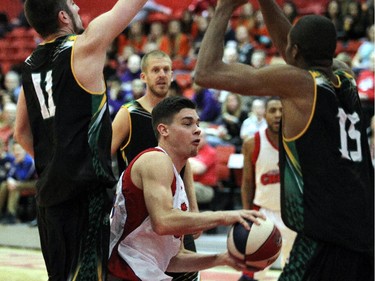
[27,265]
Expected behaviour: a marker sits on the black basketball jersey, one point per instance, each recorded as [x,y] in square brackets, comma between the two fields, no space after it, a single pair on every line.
[327,179]
[71,126]
[141,134]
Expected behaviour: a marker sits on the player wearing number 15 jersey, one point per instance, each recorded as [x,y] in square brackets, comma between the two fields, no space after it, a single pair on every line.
[326,176]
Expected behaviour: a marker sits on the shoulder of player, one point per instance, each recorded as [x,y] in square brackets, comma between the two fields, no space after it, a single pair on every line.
[248,145]
[154,158]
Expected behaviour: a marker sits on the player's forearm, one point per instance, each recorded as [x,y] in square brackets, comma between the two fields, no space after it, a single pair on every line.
[277,24]
[181,223]
[212,47]
[190,262]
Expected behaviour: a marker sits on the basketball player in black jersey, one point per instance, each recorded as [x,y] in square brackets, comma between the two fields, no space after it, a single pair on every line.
[133,133]
[327,179]
[63,121]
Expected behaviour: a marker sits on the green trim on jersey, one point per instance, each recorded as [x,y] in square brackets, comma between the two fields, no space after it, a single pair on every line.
[293,190]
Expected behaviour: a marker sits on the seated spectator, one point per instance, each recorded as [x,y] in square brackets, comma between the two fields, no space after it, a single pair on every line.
[138,89]
[134,37]
[6,161]
[229,123]
[12,83]
[362,58]
[5,25]
[7,119]
[255,121]
[334,13]
[354,23]
[132,72]
[21,175]
[115,94]
[203,167]
[175,43]
[208,107]
[291,11]
[259,59]
[244,47]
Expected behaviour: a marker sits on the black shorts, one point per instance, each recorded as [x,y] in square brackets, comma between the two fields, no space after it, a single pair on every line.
[311,260]
[74,237]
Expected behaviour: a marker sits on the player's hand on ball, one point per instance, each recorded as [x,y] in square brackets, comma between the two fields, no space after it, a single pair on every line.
[241,216]
[234,262]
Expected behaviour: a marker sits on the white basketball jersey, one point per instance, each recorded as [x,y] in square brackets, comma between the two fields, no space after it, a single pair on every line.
[267,174]
[146,252]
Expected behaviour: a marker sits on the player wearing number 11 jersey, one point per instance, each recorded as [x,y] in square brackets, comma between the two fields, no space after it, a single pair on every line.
[63,121]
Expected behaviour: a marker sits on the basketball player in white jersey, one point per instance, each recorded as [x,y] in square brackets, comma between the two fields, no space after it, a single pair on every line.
[261,176]
[151,211]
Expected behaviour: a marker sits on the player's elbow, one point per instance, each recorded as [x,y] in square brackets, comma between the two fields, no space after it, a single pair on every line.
[160,227]
[202,78]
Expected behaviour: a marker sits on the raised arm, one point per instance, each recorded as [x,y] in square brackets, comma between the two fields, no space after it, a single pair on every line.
[91,46]
[212,72]
[277,24]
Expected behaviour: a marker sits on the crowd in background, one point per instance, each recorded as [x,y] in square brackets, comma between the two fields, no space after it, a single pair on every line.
[227,117]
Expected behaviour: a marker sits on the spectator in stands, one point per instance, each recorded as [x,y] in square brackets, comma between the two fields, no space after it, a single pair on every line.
[246,16]
[259,58]
[7,121]
[362,58]
[132,72]
[138,89]
[229,123]
[21,175]
[156,33]
[354,23]
[203,167]
[259,31]
[175,43]
[290,10]
[5,25]
[116,95]
[365,84]
[135,36]
[255,121]
[187,22]
[6,161]
[230,52]
[334,13]
[12,83]
[208,107]
[244,47]
[202,24]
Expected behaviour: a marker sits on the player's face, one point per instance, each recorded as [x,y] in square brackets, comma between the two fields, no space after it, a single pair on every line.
[185,132]
[158,76]
[273,115]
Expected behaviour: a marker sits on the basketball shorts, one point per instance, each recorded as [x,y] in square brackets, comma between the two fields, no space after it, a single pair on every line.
[311,260]
[74,237]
